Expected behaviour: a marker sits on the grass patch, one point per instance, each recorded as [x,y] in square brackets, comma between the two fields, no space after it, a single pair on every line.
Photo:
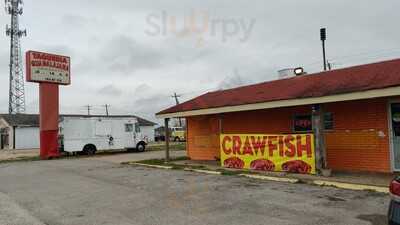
[174,146]
[199,167]
[229,172]
[177,167]
[162,161]
[21,159]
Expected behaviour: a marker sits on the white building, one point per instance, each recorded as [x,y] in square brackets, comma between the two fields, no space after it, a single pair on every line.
[21,131]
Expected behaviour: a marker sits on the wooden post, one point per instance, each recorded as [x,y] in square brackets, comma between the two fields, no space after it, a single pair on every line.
[166,121]
[318,128]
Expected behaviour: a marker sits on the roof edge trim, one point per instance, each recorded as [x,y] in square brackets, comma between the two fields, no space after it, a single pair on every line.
[377,93]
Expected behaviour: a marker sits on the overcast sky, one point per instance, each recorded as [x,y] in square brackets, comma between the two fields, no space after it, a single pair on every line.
[135,54]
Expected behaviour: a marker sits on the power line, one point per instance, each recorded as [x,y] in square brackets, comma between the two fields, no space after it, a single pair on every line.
[367,54]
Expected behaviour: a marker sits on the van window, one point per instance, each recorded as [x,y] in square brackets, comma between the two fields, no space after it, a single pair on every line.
[137,128]
[129,127]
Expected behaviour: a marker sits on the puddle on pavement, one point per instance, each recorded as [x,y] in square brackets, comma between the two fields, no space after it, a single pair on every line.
[368,194]
[181,180]
[335,199]
[374,219]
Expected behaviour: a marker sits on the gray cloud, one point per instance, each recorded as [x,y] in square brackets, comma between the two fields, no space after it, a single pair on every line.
[75,21]
[110,90]
[124,54]
[235,80]
[137,73]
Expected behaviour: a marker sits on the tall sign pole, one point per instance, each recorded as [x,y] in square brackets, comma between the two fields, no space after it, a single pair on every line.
[49,71]
[318,117]
[16,102]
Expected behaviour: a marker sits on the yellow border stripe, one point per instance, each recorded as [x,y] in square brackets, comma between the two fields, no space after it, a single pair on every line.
[358,187]
[278,179]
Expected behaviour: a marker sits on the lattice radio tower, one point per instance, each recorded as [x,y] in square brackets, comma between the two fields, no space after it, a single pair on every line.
[17,89]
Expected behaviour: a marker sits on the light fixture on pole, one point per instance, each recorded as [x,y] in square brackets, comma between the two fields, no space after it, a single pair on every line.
[323,39]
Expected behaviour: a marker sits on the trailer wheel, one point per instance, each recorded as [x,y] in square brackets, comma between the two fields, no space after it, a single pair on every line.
[89,149]
[141,147]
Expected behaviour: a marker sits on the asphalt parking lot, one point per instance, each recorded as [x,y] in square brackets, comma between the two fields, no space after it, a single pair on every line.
[136,156]
[98,191]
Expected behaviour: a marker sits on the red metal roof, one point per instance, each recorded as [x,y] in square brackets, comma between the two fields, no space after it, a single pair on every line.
[353,79]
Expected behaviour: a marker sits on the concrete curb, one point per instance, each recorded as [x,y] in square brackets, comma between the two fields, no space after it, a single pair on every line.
[152,166]
[349,186]
[278,179]
[203,171]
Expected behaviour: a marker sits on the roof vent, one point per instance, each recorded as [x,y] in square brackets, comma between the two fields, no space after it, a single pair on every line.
[290,72]
[286,73]
[299,71]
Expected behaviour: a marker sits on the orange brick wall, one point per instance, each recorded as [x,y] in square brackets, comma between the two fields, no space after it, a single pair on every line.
[203,137]
[353,144]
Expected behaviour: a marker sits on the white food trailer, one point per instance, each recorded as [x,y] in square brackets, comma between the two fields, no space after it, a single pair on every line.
[88,135]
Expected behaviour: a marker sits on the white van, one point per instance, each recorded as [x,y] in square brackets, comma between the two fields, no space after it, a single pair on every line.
[91,134]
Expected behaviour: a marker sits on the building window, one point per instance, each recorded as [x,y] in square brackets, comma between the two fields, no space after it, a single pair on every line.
[129,127]
[303,123]
[137,128]
[328,121]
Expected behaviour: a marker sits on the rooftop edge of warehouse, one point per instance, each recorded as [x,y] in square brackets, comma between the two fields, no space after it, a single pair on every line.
[380,79]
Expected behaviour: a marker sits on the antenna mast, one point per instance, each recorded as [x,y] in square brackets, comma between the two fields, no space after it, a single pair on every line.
[17,89]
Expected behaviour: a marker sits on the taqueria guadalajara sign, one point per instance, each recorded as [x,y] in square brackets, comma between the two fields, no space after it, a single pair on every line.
[291,153]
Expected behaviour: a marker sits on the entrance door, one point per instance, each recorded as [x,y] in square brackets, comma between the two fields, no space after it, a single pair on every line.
[395,134]
[4,141]
[130,137]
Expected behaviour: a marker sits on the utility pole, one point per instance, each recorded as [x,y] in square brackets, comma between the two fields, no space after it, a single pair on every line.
[323,39]
[106,107]
[16,84]
[89,107]
[175,96]
[167,137]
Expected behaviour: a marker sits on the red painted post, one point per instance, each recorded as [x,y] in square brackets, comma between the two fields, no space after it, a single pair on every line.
[49,114]
[49,71]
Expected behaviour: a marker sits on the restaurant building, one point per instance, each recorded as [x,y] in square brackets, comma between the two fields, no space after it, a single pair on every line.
[359,115]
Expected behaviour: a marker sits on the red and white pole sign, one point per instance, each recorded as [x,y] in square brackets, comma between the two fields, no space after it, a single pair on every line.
[49,71]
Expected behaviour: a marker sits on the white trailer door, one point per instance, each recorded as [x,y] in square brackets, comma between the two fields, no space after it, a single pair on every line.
[103,128]
[138,133]
[130,136]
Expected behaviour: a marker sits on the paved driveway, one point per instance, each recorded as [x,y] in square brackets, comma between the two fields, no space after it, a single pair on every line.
[98,191]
